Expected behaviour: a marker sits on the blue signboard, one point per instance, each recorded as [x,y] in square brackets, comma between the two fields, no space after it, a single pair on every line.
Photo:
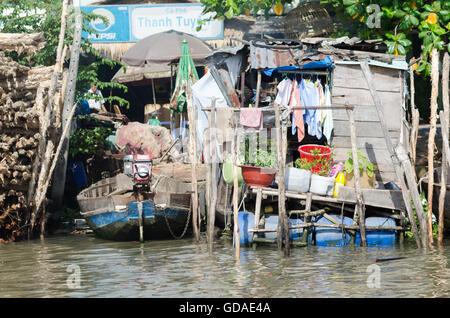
[131,23]
[118,28]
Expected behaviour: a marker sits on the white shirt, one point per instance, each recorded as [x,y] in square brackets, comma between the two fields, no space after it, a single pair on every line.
[97,104]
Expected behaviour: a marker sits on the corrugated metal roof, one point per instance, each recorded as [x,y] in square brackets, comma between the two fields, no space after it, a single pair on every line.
[264,56]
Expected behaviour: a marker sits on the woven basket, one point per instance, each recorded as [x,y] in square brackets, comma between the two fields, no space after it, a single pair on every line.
[308,20]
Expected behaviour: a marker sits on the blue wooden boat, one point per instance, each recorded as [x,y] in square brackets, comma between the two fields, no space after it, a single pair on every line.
[114,212]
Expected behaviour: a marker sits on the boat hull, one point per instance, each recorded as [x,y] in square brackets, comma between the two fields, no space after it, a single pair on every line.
[124,225]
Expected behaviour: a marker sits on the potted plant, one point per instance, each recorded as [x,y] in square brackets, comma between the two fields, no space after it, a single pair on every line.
[366,169]
[260,172]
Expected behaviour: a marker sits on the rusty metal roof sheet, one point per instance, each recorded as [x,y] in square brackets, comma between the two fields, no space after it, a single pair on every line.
[264,55]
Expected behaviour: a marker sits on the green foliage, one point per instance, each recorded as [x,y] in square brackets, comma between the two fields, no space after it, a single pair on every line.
[26,16]
[87,142]
[364,164]
[400,20]
[435,225]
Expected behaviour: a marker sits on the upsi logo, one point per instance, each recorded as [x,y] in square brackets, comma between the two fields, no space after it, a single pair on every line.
[98,24]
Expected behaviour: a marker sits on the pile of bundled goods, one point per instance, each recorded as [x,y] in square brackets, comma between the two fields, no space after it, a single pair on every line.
[24,96]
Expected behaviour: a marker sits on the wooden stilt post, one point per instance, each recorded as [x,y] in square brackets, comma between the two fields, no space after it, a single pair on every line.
[444,115]
[307,217]
[359,216]
[213,190]
[283,221]
[258,88]
[235,147]
[192,152]
[257,214]
[399,170]
[431,137]
[415,118]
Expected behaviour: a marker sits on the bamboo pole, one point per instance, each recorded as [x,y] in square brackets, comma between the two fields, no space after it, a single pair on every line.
[192,152]
[399,170]
[60,170]
[213,191]
[359,216]
[444,115]
[40,195]
[431,137]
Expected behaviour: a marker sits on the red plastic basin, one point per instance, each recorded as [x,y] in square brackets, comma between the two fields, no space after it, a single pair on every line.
[305,153]
[258,176]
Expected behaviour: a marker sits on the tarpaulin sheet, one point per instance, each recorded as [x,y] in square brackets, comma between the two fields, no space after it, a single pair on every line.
[325,63]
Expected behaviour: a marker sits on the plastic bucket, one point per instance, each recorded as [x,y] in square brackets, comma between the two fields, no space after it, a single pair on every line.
[297,179]
[305,153]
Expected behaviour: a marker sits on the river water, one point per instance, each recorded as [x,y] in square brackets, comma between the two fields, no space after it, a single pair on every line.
[85,266]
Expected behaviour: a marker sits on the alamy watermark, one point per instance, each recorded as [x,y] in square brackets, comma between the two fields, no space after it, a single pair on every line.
[374,19]
[374,278]
[74,279]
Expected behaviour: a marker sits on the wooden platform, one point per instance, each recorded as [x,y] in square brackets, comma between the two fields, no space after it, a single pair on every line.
[388,199]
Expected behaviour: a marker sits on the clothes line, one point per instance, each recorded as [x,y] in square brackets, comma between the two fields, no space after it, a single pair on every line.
[267,109]
[305,72]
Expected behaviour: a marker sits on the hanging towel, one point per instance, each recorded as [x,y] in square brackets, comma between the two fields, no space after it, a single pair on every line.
[284,92]
[328,122]
[251,118]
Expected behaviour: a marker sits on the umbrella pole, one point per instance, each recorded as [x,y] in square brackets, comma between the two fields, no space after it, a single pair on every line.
[153,91]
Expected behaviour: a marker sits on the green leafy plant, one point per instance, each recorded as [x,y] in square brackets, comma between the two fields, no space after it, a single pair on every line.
[87,142]
[364,164]
[262,155]
[319,166]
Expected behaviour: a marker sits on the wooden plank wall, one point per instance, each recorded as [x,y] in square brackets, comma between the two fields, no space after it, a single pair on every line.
[348,80]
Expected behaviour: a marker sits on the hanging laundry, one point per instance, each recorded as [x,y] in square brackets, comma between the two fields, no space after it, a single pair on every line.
[328,122]
[251,118]
[322,102]
[297,116]
[284,92]
[309,96]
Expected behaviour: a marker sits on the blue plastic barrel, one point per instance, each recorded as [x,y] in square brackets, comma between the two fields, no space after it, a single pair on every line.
[379,237]
[330,236]
[247,222]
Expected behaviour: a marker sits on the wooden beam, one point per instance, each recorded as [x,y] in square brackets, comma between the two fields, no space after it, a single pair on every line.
[398,169]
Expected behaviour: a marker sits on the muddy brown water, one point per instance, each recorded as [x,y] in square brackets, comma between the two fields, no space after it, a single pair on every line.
[85,266]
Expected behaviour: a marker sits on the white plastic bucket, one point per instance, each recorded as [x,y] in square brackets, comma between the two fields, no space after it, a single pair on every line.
[297,179]
[322,185]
